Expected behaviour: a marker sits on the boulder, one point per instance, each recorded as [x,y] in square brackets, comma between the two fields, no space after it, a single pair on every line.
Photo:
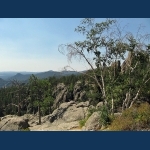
[82,96]
[69,112]
[68,126]
[76,96]
[13,123]
[57,126]
[83,104]
[57,113]
[99,105]
[33,119]
[73,114]
[93,122]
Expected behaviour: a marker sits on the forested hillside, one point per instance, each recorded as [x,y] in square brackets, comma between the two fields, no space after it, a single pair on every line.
[7,77]
[17,98]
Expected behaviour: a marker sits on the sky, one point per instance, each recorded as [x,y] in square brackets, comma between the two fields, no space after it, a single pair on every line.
[31,44]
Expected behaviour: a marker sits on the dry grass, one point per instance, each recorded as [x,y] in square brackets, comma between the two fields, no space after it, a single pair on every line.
[135,118]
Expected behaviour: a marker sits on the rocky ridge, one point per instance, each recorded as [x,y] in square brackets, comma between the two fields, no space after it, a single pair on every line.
[65,118]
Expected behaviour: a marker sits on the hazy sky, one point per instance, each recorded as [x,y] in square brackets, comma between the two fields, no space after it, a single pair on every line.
[29,44]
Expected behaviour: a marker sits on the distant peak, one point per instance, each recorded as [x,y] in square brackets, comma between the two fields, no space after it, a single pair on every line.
[18,74]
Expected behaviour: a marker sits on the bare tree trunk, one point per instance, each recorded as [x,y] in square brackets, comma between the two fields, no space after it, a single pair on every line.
[135,98]
[19,110]
[39,113]
[95,77]
[137,94]
[103,89]
[126,101]
[112,107]
[115,69]
[101,85]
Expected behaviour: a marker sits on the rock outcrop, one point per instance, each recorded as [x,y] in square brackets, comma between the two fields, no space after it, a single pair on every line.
[116,65]
[62,94]
[74,114]
[99,105]
[65,118]
[13,123]
[93,122]
[70,112]
[58,113]
[77,94]
[126,63]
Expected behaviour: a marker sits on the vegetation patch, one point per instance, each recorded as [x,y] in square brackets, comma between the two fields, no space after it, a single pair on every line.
[82,122]
[90,112]
[27,129]
[134,118]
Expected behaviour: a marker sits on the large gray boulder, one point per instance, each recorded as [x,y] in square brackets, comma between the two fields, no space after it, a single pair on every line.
[33,119]
[58,113]
[99,105]
[73,114]
[13,123]
[83,104]
[93,122]
[69,112]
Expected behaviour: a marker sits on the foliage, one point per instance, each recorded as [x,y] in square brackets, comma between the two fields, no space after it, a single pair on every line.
[119,76]
[91,111]
[27,129]
[104,47]
[104,115]
[82,122]
[135,118]
[105,118]
[41,95]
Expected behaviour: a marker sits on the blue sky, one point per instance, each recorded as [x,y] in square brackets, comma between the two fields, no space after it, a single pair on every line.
[31,44]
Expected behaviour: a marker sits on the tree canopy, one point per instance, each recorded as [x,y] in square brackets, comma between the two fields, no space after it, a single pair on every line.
[108,44]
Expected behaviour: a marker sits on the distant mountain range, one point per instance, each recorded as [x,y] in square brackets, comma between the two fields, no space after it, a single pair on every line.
[2,82]
[6,77]
[8,74]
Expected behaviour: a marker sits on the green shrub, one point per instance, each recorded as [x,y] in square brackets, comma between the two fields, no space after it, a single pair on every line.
[27,129]
[104,116]
[135,118]
[91,111]
[82,122]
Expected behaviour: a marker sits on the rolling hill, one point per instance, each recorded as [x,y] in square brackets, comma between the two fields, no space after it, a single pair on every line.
[24,76]
[3,82]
